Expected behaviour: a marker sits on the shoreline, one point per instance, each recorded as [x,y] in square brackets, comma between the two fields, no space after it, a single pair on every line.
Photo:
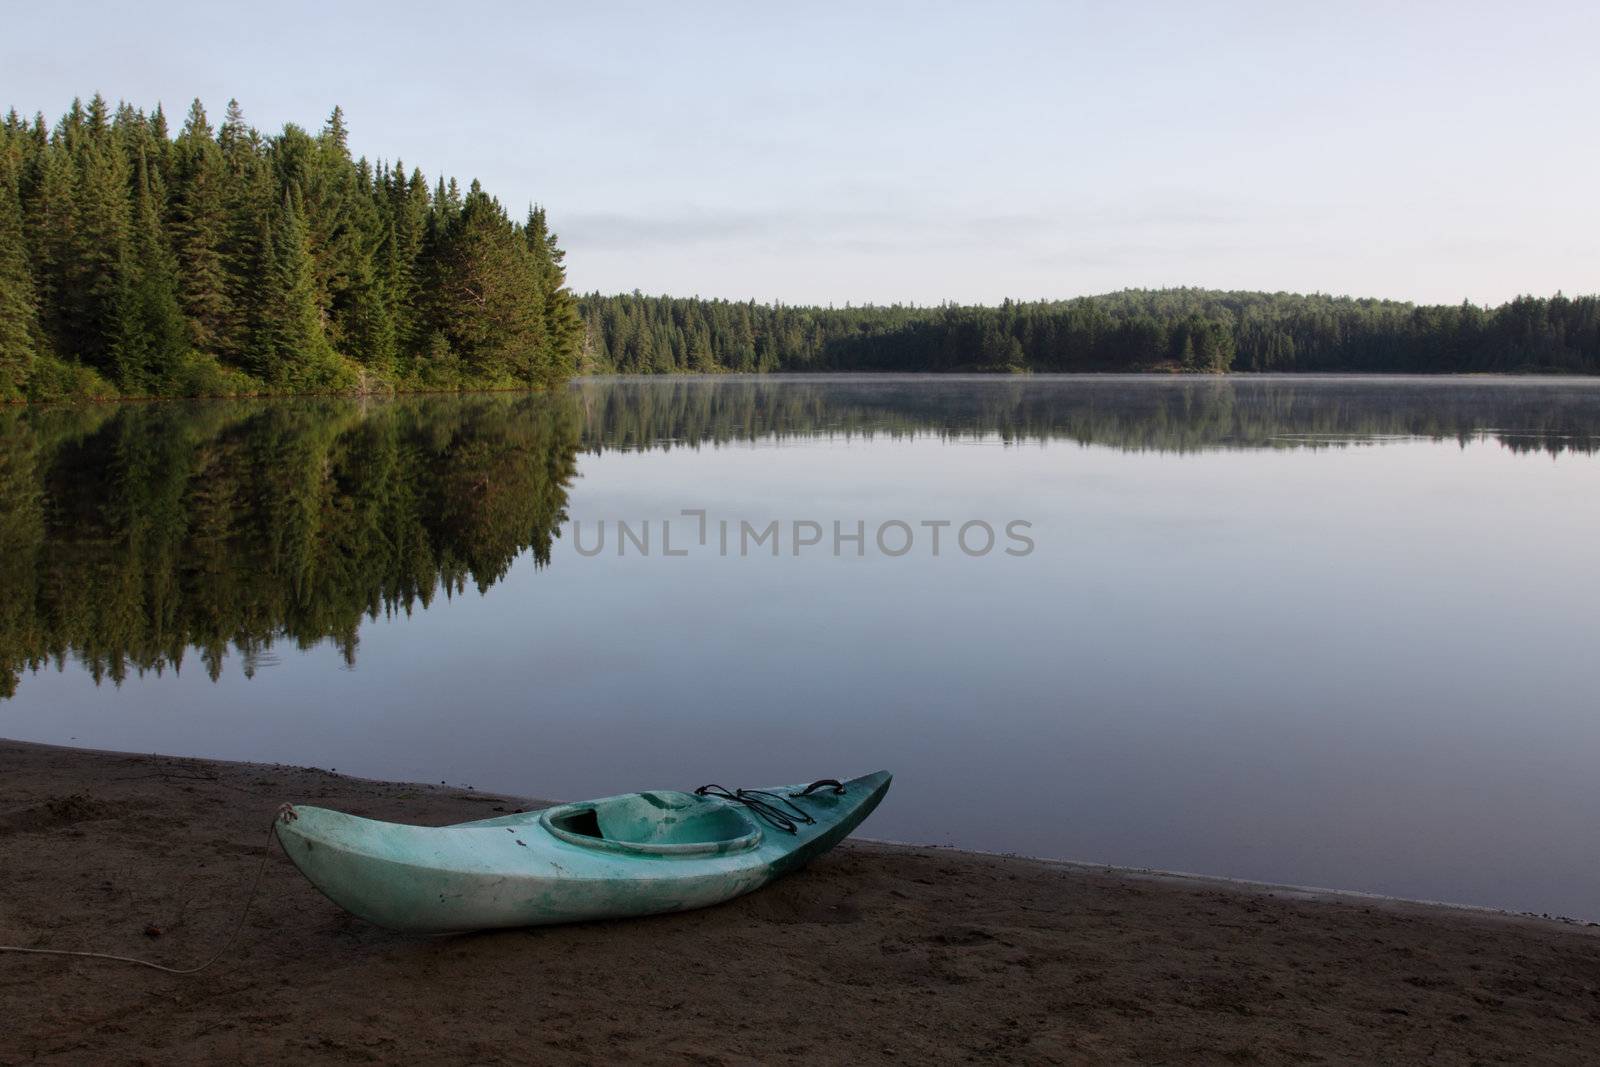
[1290,890]
[1161,875]
[890,950]
[816,375]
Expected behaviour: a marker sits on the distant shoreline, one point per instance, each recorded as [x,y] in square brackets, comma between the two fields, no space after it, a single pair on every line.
[834,375]
[1182,329]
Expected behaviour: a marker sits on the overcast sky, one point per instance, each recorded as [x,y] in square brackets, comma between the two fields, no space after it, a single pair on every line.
[878,152]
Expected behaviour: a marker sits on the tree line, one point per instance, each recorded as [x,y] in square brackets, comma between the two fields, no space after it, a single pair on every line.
[223,262]
[1194,330]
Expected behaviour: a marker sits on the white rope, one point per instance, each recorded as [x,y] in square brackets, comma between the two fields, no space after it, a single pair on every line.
[226,945]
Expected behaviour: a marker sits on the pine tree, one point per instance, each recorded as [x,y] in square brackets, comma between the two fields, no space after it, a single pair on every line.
[404,234]
[487,294]
[19,309]
[160,147]
[236,139]
[97,120]
[347,236]
[336,133]
[290,349]
[367,322]
[700,359]
[52,222]
[152,335]
[251,200]
[99,253]
[200,227]
[563,322]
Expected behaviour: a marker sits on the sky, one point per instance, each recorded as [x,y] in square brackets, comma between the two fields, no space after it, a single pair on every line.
[881,152]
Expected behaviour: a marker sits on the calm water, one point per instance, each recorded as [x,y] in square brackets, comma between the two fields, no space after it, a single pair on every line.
[1331,632]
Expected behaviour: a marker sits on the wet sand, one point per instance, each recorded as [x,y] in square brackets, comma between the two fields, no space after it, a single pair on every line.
[876,953]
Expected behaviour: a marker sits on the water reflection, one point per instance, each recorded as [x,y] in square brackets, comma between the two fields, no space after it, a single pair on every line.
[130,535]
[1176,414]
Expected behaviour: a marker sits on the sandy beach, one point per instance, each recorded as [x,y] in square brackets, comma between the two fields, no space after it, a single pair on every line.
[877,952]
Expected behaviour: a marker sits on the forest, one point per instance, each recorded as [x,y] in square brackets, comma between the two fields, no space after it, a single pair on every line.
[1191,330]
[218,261]
[221,262]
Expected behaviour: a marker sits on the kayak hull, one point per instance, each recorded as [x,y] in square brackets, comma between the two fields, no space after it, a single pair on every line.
[527,870]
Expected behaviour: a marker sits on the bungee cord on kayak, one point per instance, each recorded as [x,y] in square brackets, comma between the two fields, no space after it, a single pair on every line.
[766,809]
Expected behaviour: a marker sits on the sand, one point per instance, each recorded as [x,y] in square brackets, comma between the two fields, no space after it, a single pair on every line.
[876,953]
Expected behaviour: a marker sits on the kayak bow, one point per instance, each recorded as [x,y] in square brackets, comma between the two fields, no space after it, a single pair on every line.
[633,854]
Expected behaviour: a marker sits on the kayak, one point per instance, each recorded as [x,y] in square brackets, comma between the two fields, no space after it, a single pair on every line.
[633,854]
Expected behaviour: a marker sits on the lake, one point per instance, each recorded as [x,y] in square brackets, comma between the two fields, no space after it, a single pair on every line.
[1336,632]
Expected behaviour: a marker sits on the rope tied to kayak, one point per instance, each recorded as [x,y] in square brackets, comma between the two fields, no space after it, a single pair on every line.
[285,813]
[773,808]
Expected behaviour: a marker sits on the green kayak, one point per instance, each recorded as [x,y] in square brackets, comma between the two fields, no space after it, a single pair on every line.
[634,854]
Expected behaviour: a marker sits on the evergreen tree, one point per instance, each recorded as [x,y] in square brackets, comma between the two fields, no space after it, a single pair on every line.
[152,335]
[367,318]
[410,207]
[563,321]
[236,139]
[200,227]
[19,310]
[52,217]
[487,294]
[700,359]
[97,268]
[289,349]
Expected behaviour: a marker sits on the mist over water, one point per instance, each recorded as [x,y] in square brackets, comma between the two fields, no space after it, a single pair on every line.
[1332,631]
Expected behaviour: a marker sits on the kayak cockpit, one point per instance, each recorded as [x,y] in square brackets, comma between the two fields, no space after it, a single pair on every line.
[662,823]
